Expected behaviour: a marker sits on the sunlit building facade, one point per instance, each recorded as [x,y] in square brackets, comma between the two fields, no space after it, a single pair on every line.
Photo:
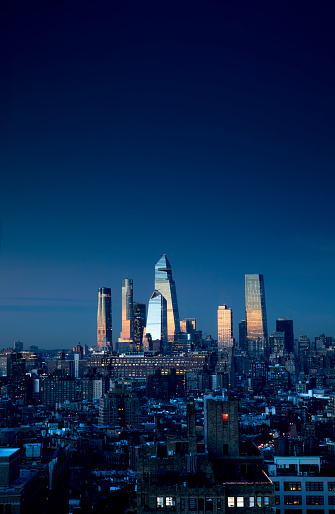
[165,284]
[225,328]
[127,309]
[104,332]
[255,311]
[155,337]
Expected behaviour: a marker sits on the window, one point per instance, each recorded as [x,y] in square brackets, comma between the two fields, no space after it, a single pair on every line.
[276,484]
[331,486]
[200,504]
[192,504]
[231,501]
[170,502]
[266,501]
[209,504]
[160,502]
[314,486]
[240,501]
[259,501]
[182,503]
[294,499]
[331,500]
[219,503]
[277,500]
[251,501]
[314,500]
[291,486]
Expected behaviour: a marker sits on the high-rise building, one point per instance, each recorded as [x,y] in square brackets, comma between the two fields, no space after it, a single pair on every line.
[127,310]
[225,328]
[104,333]
[286,325]
[155,337]
[255,311]
[139,322]
[165,285]
[242,334]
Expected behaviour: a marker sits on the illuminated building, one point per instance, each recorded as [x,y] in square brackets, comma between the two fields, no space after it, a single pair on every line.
[225,328]
[127,309]
[104,335]
[156,330]
[257,332]
[165,285]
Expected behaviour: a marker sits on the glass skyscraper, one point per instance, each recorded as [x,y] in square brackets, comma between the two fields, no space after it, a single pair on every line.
[104,321]
[156,329]
[165,284]
[127,309]
[225,328]
[255,311]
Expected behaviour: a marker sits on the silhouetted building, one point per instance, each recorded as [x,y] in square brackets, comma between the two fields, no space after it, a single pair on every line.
[57,389]
[139,323]
[286,325]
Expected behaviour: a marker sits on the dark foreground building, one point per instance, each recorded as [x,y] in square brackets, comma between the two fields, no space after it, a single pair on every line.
[176,476]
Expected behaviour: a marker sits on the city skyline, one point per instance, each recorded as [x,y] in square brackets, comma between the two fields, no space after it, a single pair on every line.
[132,130]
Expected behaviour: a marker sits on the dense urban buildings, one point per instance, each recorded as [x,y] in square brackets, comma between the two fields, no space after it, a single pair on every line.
[104,331]
[255,312]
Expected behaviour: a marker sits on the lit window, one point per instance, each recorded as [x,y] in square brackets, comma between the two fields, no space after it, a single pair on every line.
[259,501]
[169,501]
[231,501]
[160,502]
[240,501]
[251,501]
[266,501]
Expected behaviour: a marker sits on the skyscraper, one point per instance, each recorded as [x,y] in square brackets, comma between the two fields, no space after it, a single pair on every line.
[225,328]
[104,332]
[127,310]
[165,284]
[139,323]
[255,311]
[286,325]
[155,337]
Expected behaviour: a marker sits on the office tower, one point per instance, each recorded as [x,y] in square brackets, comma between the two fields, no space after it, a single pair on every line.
[242,335]
[286,325]
[165,285]
[155,337]
[188,325]
[225,328]
[127,309]
[277,344]
[104,336]
[255,311]
[139,323]
[120,407]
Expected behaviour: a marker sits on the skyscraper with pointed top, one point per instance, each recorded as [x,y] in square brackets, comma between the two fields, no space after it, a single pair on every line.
[255,311]
[165,284]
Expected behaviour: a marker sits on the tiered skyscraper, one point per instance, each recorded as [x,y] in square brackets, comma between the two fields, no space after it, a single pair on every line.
[163,300]
[255,311]
[225,328]
[104,332]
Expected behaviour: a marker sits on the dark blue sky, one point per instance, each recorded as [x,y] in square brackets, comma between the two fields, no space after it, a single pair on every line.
[201,129]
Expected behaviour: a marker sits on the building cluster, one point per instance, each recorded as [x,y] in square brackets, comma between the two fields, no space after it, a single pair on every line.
[164,420]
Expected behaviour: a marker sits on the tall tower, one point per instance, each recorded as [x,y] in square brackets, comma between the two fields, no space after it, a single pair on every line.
[104,335]
[225,328]
[165,284]
[127,309]
[139,323]
[255,311]
[286,325]
[156,330]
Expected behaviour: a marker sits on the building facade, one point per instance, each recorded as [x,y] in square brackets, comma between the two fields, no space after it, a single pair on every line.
[225,328]
[104,331]
[255,311]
